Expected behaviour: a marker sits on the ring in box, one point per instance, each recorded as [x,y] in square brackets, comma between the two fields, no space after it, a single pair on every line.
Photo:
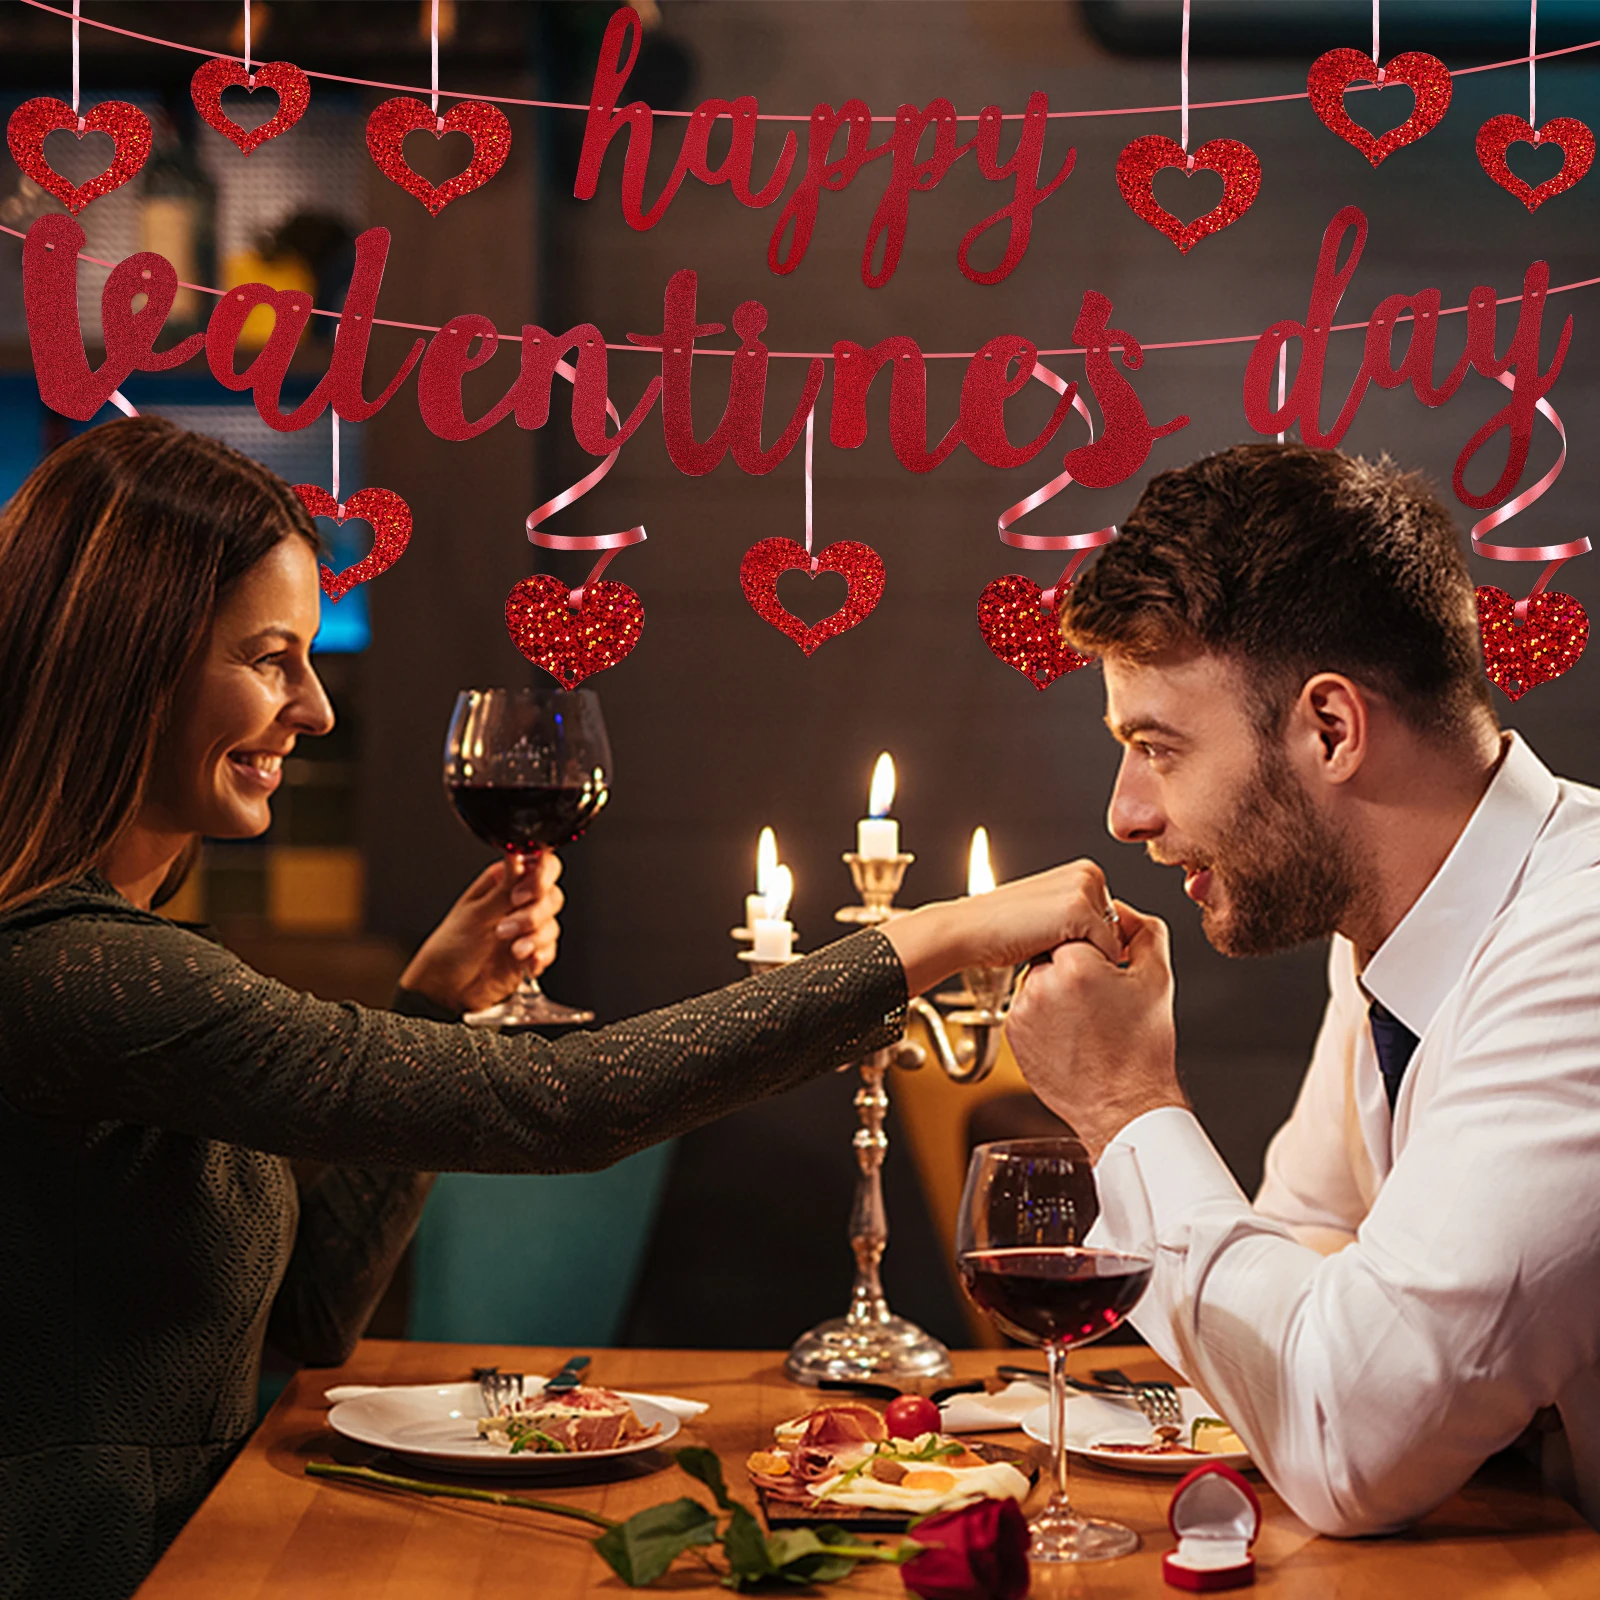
[1216,1517]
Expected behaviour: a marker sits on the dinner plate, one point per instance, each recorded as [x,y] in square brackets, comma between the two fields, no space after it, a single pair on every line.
[1093,1420]
[437,1425]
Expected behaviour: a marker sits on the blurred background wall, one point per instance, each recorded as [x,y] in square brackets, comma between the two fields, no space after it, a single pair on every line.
[719,724]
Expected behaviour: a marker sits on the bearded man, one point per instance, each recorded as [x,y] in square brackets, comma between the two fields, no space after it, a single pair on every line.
[1292,666]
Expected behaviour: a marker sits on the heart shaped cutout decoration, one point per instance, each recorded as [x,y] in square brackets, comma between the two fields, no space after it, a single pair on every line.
[128,126]
[1571,137]
[572,643]
[1236,164]
[1333,72]
[1520,658]
[484,124]
[860,565]
[390,518]
[287,81]
[1024,632]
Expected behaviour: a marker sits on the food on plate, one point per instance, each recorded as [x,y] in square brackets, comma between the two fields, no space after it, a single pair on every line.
[911,1415]
[1208,1436]
[846,1455]
[1213,1436]
[577,1421]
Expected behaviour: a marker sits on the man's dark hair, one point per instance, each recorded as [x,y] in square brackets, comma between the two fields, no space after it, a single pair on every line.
[1291,561]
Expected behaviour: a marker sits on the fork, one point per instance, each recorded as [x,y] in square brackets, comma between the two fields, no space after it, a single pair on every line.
[1158,1400]
[498,1389]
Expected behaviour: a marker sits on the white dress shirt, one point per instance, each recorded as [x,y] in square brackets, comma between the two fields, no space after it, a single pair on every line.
[1462,1291]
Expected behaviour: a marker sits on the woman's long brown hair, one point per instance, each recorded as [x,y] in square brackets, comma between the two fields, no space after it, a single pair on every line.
[113,557]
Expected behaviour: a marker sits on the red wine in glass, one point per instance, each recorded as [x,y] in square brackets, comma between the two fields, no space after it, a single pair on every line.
[527,770]
[1039,1296]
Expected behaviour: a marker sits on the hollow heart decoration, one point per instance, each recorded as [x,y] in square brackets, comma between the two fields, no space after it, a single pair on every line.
[286,80]
[572,643]
[1571,137]
[1519,658]
[1144,158]
[390,518]
[485,125]
[860,565]
[1025,632]
[1334,71]
[128,126]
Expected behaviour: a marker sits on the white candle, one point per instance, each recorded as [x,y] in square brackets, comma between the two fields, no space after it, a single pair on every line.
[878,834]
[755,905]
[774,937]
[980,874]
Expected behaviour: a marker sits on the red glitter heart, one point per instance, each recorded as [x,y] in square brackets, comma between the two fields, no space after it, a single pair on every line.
[1333,72]
[390,518]
[1519,658]
[291,85]
[573,643]
[1144,158]
[485,125]
[128,126]
[1024,632]
[765,561]
[1571,137]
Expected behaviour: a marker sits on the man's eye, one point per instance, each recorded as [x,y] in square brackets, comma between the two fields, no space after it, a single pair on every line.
[1151,752]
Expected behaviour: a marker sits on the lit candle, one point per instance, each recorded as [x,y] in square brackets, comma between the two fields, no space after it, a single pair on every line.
[774,937]
[980,874]
[755,905]
[878,834]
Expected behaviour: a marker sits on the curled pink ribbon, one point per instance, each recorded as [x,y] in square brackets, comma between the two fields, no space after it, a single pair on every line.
[609,543]
[1080,543]
[1556,555]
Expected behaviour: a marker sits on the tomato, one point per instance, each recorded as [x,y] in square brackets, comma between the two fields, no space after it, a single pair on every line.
[911,1415]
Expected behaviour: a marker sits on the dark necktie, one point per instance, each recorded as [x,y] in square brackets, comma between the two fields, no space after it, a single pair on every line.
[1395,1043]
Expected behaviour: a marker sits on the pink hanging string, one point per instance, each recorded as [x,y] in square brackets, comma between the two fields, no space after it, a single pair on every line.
[1183,87]
[337,501]
[249,72]
[811,427]
[1283,376]
[75,50]
[122,403]
[434,30]
[1533,45]
[609,543]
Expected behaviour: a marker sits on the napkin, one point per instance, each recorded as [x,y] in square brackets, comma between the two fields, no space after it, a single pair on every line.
[678,1406]
[984,1413]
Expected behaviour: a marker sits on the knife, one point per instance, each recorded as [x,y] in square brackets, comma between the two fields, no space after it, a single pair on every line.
[569,1377]
[1031,1375]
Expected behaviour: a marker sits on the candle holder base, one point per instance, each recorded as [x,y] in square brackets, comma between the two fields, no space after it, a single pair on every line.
[847,1350]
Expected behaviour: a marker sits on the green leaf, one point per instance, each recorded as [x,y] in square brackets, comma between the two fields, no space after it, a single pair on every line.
[642,1548]
[704,1464]
[745,1546]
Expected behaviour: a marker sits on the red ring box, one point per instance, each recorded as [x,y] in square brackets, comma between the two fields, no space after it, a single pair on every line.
[1215,1515]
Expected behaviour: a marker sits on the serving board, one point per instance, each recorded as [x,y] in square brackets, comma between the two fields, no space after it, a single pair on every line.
[866,1519]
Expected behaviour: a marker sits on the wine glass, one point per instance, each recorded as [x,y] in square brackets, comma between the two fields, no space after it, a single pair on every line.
[1024,1250]
[527,770]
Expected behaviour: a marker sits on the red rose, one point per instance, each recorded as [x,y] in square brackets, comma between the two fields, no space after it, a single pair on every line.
[977,1553]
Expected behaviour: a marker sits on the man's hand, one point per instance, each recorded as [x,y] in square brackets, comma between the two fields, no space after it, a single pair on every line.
[1095,1040]
[503,923]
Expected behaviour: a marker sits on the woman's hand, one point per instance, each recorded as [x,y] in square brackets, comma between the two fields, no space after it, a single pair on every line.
[503,923]
[1015,923]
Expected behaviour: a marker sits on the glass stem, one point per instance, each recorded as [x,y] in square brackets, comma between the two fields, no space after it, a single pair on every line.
[1057,1352]
[528,985]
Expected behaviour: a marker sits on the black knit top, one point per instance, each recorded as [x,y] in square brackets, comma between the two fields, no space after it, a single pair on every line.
[152,1089]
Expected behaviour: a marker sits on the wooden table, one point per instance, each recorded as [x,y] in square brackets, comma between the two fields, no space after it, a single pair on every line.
[269,1531]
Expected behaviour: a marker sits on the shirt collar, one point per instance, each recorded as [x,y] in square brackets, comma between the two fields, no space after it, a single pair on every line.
[1422,959]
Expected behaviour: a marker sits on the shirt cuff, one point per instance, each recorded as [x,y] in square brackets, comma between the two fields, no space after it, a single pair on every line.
[1179,1165]
[409,1003]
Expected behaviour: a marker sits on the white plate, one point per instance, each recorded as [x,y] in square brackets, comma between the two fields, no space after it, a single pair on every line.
[1093,1420]
[437,1424]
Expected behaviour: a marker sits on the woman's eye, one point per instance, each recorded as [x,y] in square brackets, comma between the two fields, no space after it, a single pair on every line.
[272,657]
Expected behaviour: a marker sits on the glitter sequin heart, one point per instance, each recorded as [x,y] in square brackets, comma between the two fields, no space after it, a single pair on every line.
[1144,158]
[1571,137]
[390,518]
[128,126]
[860,565]
[485,125]
[1332,73]
[287,81]
[1520,658]
[571,643]
[1024,632]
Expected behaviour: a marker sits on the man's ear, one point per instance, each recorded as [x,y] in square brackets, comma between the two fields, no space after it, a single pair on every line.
[1330,726]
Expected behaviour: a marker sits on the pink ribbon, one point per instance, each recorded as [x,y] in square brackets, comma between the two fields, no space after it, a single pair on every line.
[1080,543]
[122,403]
[1183,85]
[610,543]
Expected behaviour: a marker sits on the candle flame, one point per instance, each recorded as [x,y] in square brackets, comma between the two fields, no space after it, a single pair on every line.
[980,874]
[881,795]
[778,894]
[766,860]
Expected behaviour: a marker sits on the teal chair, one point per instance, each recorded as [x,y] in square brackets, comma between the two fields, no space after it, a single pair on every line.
[534,1260]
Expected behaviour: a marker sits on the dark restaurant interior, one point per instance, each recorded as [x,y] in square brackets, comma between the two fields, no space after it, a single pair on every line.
[734,1236]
